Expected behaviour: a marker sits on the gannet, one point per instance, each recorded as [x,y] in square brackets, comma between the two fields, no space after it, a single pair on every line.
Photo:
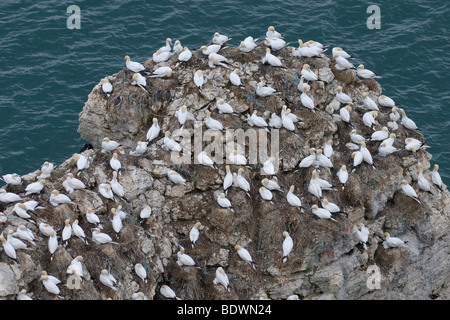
[268,166]
[82,162]
[322,183]
[51,278]
[224,107]
[116,222]
[161,56]
[342,63]
[100,237]
[21,210]
[385,101]
[355,137]
[357,159]
[107,279]
[322,160]
[207,50]
[390,141]
[50,286]
[255,120]
[342,97]
[12,179]
[46,170]
[368,103]
[171,144]
[293,200]
[116,187]
[344,113]
[199,79]
[115,163]
[330,206]
[52,244]
[16,243]
[3,218]
[194,233]
[412,144]
[224,202]
[215,59]
[211,123]
[22,295]
[167,47]
[275,121]
[109,145]
[185,55]
[234,78]
[177,47]
[228,180]
[185,259]
[271,184]
[242,182]
[275,43]
[301,85]
[66,233]
[105,190]
[365,73]
[394,115]
[141,272]
[162,72]
[271,33]
[8,248]
[92,217]
[45,228]
[308,74]
[408,191]
[57,198]
[342,175]
[265,194]
[304,50]
[220,39]
[264,297]
[328,149]
[392,242]
[292,297]
[237,159]
[271,59]
[436,177]
[288,244]
[407,122]
[321,212]
[247,45]
[309,160]
[74,183]
[367,157]
[35,187]
[369,119]
[138,80]
[264,91]
[141,148]
[75,267]
[205,160]
[307,101]
[385,149]
[167,292]
[287,121]
[363,236]
[341,52]
[422,182]
[380,134]
[138,296]
[133,66]
[222,278]
[245,255]
[182,115]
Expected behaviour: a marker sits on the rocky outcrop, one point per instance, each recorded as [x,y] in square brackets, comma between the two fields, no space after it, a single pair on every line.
[327,261]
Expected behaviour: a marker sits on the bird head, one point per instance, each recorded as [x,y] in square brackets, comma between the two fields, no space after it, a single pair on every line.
[237,247]
[386,234]
[127,58]
[291,188]
[314,207]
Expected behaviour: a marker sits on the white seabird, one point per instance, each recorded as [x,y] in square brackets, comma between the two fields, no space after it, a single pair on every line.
[228,180]
[369,119]
[52,244]
[15,242]
[342,63]
[162,72]
[408,191]
[365,73]
[307,101]
[341,52]
[211,123]
[57,198]
[21,210]
[105,190]
[408,123]
[309,160]
[171,144]
[108,279]
[194,233]
[308,74]
[205,160]
[392,242]
[185,55]
[167,292]
[224,107]
[92,217]
[133,66]
[288,245]
[35,187]
[422,182]
[8,248]
[141,272]
[153,131]
[286,121]
[207,50]
[385,149]
[245,255]
[78,231]
[265,194]
[222,278]
[220,39]
[139,80]
[185,259]
[199,79]
[145,212]
[82,162]
[275,43]
[141,148]
[344,113]
[328,149]
[161,56]
[271,184]
[272,33]
[224,202]
[330,206]
[271,59]
[255,120]
[343,175]
[215,59]
[264,91]
[73,183]
[100,237]
[116,187]
[12,179]
[362,234]
[321,212]
[66,232]
[385,101]
[275,121]
[237,159]
[268,166]
[436,177]
[242,182]
[357,159]
[115,163]
[50,286]
[368,103]
[175,177]
[247,45]
[342,97]
[109,145]
[380,134]
[367,157]
[167,47]
[301,85]
[355,137]
[234,78]
[322,160]
[293,200]
[177,48]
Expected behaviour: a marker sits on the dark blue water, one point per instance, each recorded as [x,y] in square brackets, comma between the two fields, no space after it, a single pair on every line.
[48,70]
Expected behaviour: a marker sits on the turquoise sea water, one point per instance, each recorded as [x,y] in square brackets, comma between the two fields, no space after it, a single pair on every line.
[48,70]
